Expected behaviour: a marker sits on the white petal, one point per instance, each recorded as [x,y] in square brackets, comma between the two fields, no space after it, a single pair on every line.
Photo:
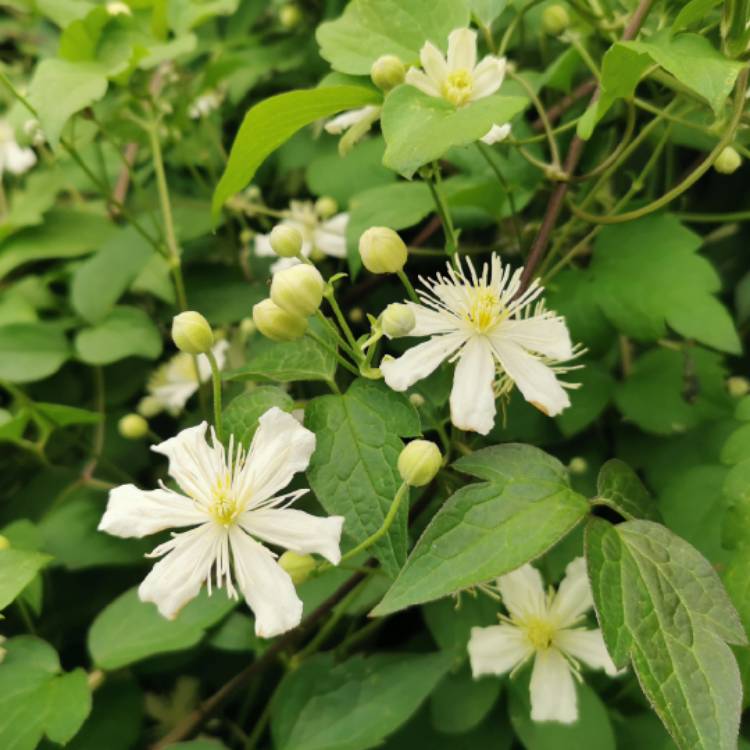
[267,588]
[429,322]
[543,335]
[345,120]
[281,447]
[297,531]
[433,63]
[536,380]
[472,396]
[496,134]
[523,592]
[462,50]
[497,649]
[174,396]
[178,576]
[133,512]
[587,646]
[330,236]
[422,82]
[263,247]
[553,691]
[419,361]
[488,77]
[17,159]
[573,598]
[283,263]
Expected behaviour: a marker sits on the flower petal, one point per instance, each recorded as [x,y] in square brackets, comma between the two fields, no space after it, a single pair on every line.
[497,649]
[135,513]
[178,576]
[424,83]
[488,77]
[18,159]
[553,691]
[587,646]
[536,380]
[345,120]
[574,597]
[419,361]
[263,247]
[433,63]
[542,334]
[472,396]
[430,322]
[297,531]
[523,592]
[267,588]
[330,236]
[174,396]
[496,134]
[462,50]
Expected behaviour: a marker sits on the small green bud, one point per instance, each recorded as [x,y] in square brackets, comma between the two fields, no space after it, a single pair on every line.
[4,542]
[246,235]
[555,20]
[397,320]
[299,567]
[191,333]
[277,324]
[737,386]
[298,290]
[416,400]
[419,462]
[578,465]
[387,72]
[326,207]
[150,406]
[728,161]
[285,241]
[382,250]
[356,315]
[290,16]
[95,679]
[133,427]
[247,327]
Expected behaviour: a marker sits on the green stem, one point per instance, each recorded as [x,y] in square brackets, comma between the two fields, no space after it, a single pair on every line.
[319,341]
[352,341]
[408,286]
[436,189]
[216,381]
[542,112]
[337,334]
[713,218]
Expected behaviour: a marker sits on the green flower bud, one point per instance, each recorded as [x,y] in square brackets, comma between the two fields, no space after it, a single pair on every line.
[3,651]
[326,207]
[387,72]
[4,542]
[382,250]
[397,320]
[727,161]
[133,427]
[419,462]
[277,324]
[578,465]
[150,406]
[285,241]
[290,16]
[191,333]
[299,567]
[555,20]
[416,400]
[298,290]
[247,327]
[737,386]
[356,315]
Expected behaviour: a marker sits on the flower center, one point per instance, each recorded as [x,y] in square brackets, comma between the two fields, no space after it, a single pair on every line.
[485,309]
[224,506]
[539,632]
[457,87]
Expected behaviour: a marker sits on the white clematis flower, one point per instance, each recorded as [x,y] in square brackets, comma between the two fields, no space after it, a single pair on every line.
[327,237]
[13,158]
[354,124]
[174,382]
[231,500]
[498,337]
[541,626]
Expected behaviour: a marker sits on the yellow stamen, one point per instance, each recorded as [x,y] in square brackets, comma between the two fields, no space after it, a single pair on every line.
[224,506]
[458,86]
[539,632]
[486,309]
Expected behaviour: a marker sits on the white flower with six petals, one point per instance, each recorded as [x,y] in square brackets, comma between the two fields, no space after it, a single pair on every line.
[231,499]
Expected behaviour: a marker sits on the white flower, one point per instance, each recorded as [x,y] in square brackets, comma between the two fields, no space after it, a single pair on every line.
[231,500]
[352,117]
[174,382]
[458,79]
[497,336]
[328,237]
[205,104]
[13,158]
[496,134]
[118,9]
[541,625]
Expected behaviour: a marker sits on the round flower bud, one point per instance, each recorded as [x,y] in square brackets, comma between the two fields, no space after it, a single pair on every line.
[277,324]
[578,465]
[247,327]
[286,241]
[356,315]
[416,400]
[397,320]
[298,290]
[290,16]
[737,386]
[150,406]
[387,72]
[326,207]
[418,462]
[382,250]
[4,543]
[299,567]
[555,20]
[132,427]
[191,333]
[727,161]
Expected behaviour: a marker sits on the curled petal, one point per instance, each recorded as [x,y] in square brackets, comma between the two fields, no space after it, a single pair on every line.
[472,396]
[497,649]
[419,361]
[496,134]
[553,691]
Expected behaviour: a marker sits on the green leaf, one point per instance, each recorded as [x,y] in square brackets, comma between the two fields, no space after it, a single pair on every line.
[450,624]
[460,703]
[619,488]
[354,705]
[70,704]
[243,412]
[419,128]
[18,567]
[487,10]
[272,122]
[31,351]
[693,12]
[485,530]
[642,291]
[588,402]
[371,28]
[661,605]
[353,470]
[128,630]
[124,332]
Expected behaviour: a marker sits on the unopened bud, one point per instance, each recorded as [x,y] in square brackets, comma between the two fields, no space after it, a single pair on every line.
[578,465]
[277,324]
[4,543]
[728,161]
[191,333]
[298,289]
[555,20]
[299,567]
[150,406]
[387,72]
[419,462]
[247,327]
[416,400]
[382,250]
[132,427]
[326,207]
[285,241]
[737,386]
[397,320]
[95,679]
[356,315]
[290,16]
[118,9]
[3,651]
